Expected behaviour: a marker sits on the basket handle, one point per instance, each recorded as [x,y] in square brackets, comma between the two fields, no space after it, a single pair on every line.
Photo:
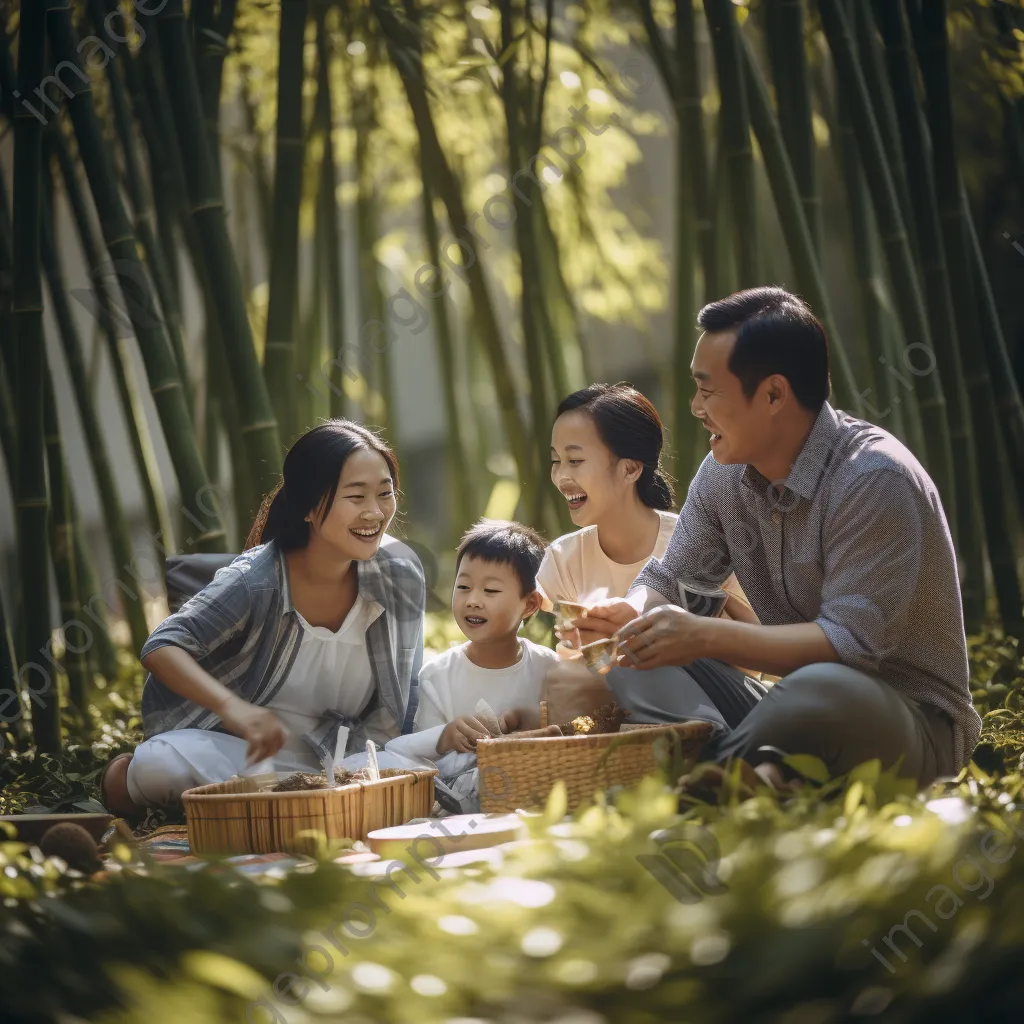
[543,713]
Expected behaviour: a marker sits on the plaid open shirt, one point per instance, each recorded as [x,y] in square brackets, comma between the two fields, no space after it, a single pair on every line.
[856,542]
[243,629]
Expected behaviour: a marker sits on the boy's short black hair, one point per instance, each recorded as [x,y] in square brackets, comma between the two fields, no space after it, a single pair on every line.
[776,332]
[507,543]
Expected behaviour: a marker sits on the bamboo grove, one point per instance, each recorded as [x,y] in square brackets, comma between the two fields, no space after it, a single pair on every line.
[219,141]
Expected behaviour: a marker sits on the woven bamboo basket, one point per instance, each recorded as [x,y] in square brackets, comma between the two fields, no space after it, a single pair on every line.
[519,771]
[228,818]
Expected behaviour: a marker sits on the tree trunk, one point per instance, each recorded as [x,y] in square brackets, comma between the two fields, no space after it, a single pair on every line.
[263,446]
[30,492]
[279,366]
[165,384]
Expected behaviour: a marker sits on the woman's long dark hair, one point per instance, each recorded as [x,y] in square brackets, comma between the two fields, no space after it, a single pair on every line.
[630,426]
[312,469]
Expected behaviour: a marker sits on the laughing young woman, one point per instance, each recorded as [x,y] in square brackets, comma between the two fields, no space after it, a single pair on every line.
[318,627]
[606,461]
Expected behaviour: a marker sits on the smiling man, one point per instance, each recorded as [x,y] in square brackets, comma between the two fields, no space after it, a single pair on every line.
[836,534]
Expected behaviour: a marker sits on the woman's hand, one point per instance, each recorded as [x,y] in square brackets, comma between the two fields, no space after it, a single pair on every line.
[461,735]
[518,719]
[571,689]
[666,635]
[259,727]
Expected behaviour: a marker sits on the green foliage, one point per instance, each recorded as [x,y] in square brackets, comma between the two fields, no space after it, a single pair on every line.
[566,925]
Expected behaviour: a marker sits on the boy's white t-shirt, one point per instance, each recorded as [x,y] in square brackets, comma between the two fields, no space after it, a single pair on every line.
[451,686]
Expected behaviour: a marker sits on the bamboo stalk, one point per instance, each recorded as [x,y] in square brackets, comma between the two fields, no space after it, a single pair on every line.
[784,23]
[966,280]
[257,421]
[1007,396]
[514,96]
[687,100]
[906,287]
[964,522]
[161,367]
[794,224]
[872,67]
[62,547]
[143,219]
[461,485]
[110,501]
[734,126]
[11,710]
[30,491]
[118,349]
[882,404]
[279,365]
[405,48]
[212,30]
[334,277]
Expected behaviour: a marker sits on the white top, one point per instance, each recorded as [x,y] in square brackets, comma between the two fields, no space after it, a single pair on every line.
[451,685]
[331,671]
[575,567]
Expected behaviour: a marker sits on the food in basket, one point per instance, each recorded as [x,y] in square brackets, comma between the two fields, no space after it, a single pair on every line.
[300,781]
[606,718]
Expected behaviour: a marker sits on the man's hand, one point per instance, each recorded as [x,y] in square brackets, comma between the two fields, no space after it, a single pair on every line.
[518,719]
[461,735]
[259,727]
[666,635]
[571,689]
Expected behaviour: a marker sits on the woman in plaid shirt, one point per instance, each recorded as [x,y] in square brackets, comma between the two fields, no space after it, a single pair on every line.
[316,627]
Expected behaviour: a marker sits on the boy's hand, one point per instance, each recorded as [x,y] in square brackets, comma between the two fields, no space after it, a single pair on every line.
[518,719]
[461,735]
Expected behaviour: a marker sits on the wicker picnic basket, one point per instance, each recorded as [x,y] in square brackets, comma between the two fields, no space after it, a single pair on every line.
[518,771]
[229,818]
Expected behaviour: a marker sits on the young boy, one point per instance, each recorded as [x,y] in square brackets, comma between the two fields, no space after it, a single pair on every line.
[495,590]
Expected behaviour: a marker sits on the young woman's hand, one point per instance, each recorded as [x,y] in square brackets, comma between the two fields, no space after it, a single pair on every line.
[461,735]
[259,727]
[518,719]
[604,618]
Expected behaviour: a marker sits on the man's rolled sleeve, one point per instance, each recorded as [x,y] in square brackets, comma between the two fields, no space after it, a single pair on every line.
[697,551]
[209,619]
[872,552]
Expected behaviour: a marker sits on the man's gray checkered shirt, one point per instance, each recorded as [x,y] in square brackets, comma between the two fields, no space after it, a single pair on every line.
[857,542]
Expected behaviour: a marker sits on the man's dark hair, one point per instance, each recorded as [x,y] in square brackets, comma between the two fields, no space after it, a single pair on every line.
[776,332]
[506,543]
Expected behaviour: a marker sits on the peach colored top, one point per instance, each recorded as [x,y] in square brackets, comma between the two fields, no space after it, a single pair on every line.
[575,568]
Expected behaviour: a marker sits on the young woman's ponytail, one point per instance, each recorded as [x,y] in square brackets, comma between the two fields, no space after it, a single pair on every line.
[631,428]
[312,469]
[654,490]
